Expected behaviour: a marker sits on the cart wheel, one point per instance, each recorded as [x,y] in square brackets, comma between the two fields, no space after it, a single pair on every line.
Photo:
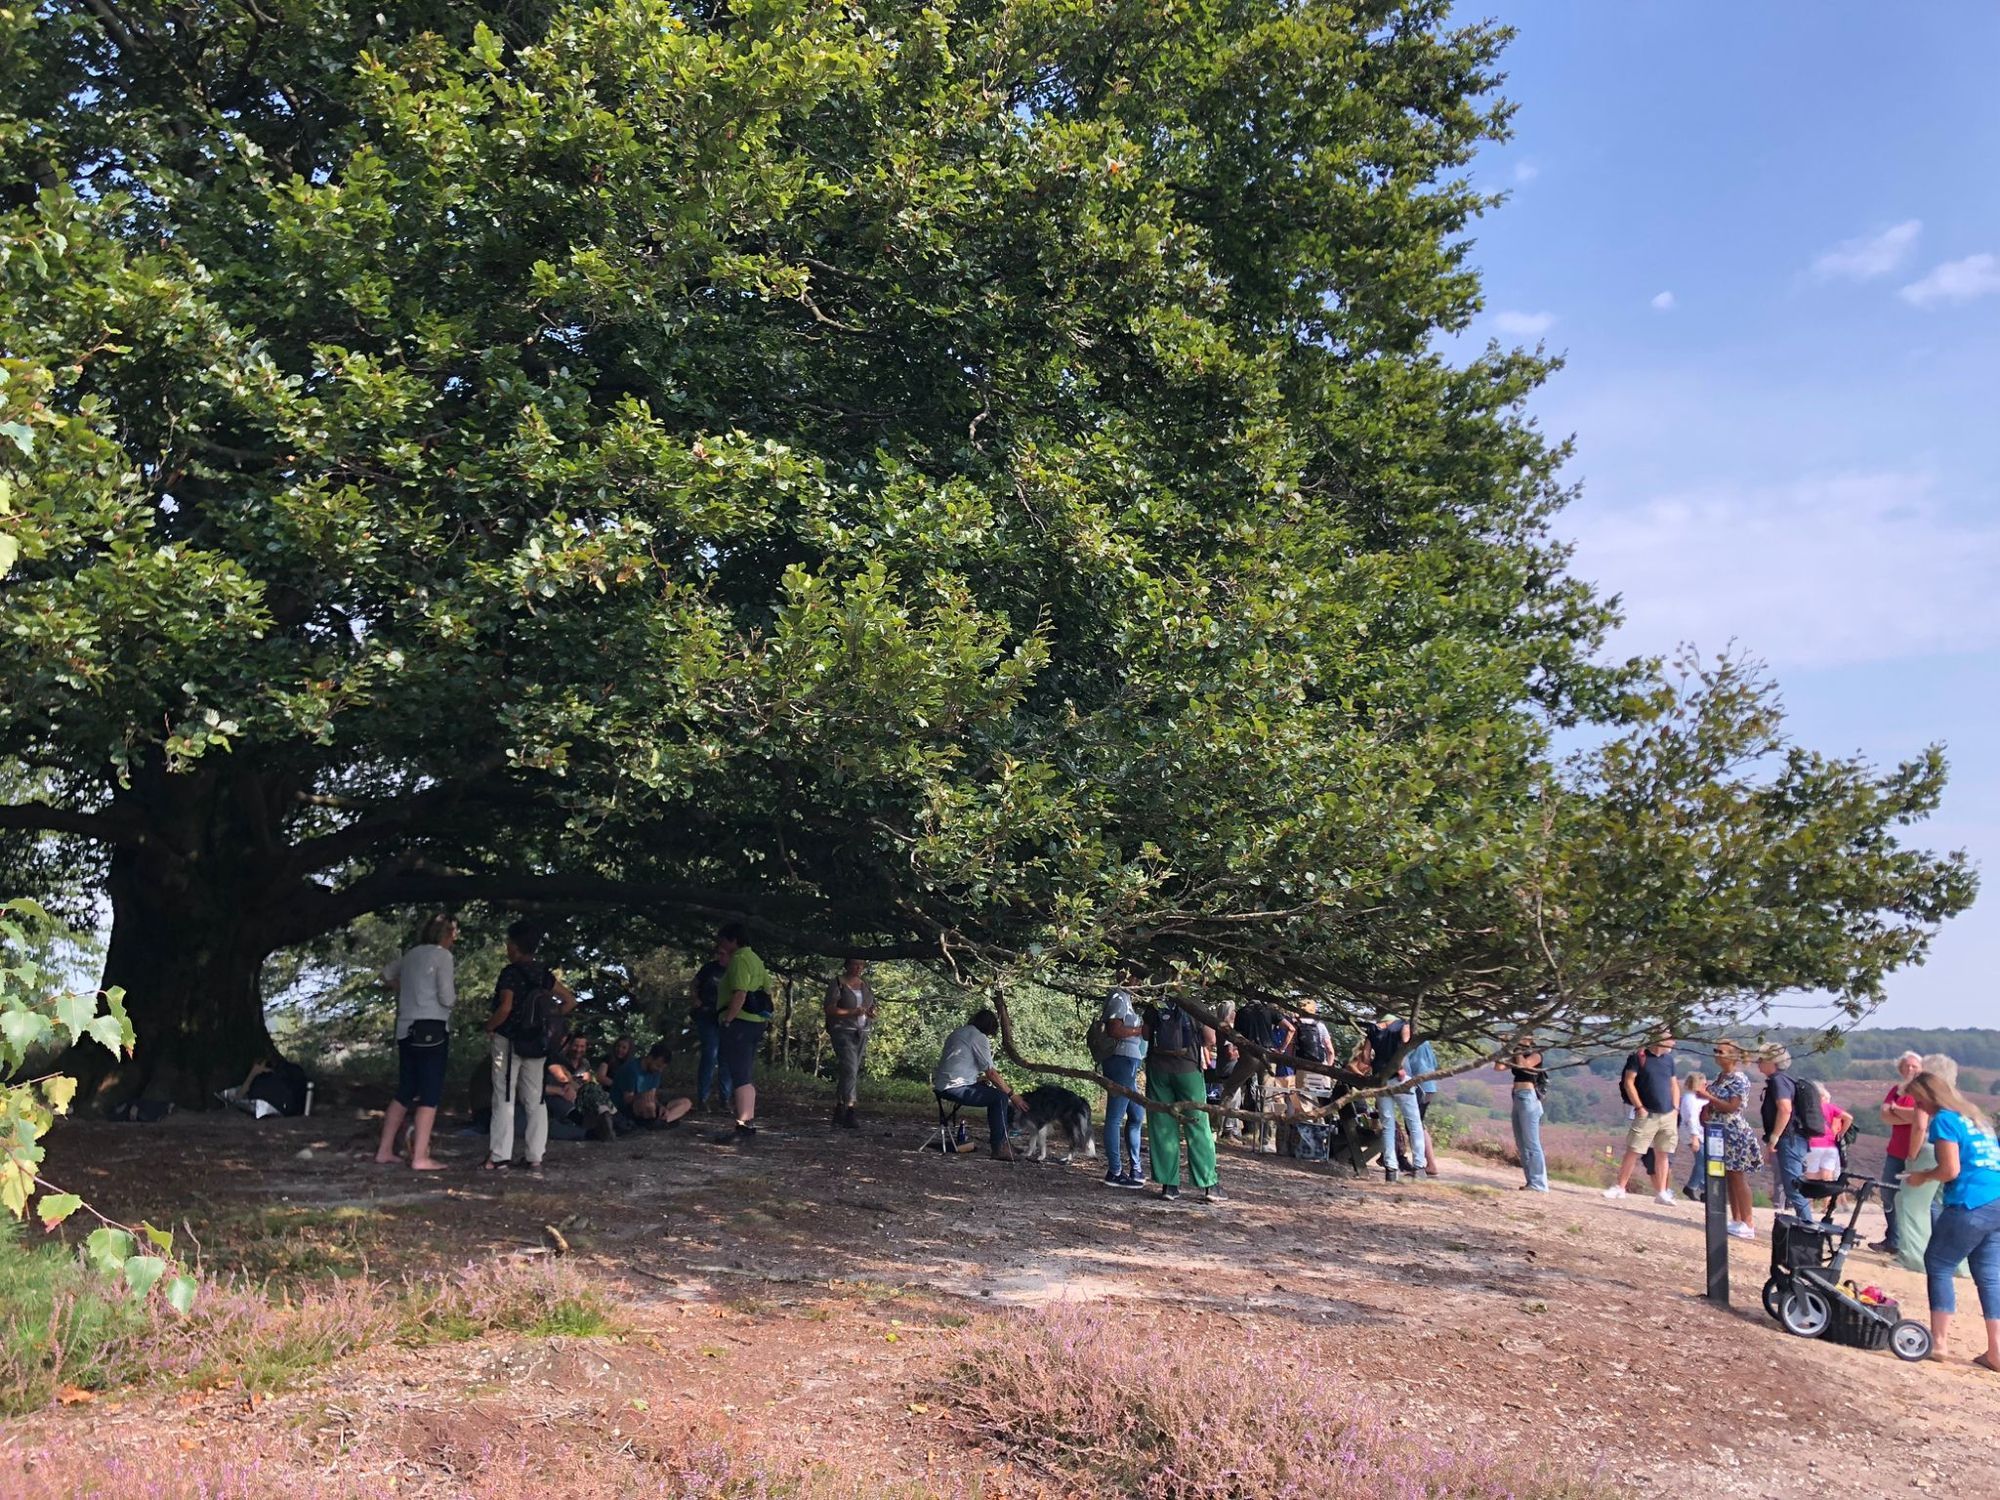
[1772,1297]
[1910,1340]
[1806,1312]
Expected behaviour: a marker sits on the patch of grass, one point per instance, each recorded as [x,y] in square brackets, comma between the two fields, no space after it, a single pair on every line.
[62,1325]
[293,1243]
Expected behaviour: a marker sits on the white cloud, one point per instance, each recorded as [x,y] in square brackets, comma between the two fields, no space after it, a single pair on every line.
[1825,571]
[1871,255]
[1524,324]
[1663,302]
[1526,171]
[1955,281]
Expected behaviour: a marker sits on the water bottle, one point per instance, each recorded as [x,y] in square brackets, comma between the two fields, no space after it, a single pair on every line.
[961,1132]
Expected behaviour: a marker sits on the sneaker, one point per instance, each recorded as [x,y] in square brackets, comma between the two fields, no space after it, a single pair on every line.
[1666,1198]
[1694,1195]
[1214,1195]
[1738,1231]
[1883,1246]
[739,1135]
[1170,1193]
[1614,1191]
[1133,1182]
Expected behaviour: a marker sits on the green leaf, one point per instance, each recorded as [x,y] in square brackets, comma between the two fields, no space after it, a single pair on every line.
[53,1208]
[111,1033]
[162,1239]
[108,1248]
[142,1273]
[22,435]
[74,1012]
[60,1090]
[180,1294]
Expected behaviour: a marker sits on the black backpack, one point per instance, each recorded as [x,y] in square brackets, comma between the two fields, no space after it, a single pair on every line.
[283,1087]
[1177,1034]
[1808,1114]
[1308,1043]
[533,1016]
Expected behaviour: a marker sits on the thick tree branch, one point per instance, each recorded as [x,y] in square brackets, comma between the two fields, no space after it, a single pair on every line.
[107,828]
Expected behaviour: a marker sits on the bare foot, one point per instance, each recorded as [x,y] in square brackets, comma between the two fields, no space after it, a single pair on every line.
[386,1161]
[426,1165]
[1985,1362]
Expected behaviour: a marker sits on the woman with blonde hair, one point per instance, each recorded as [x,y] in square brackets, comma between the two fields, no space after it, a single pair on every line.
[1741,1154]
[1968,1229]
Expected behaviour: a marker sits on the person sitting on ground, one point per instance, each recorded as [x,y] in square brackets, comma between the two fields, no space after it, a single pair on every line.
[623,1050]
[965,1075]
[1968,1227]
[635,1088]
[426,991]
[1649,1086]
[574,1095]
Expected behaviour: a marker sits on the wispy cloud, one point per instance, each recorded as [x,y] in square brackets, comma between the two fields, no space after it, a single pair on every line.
[1525,325]
[1869,256]
[1526,171]
[1955,281]
[1663,302]
[1824,571]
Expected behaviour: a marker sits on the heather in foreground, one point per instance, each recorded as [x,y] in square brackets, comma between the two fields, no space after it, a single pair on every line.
[1114,1407]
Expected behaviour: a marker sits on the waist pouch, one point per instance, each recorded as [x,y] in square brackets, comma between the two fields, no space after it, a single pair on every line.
[426,1034]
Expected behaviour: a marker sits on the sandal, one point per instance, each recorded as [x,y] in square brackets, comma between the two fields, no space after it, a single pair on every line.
[490,1165]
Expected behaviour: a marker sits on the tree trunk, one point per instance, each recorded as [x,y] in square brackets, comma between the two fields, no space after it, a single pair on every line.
[188,953]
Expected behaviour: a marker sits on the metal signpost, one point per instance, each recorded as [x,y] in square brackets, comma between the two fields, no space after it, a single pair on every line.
[1717,1202]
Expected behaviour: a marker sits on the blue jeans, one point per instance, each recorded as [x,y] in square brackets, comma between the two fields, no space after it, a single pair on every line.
[1698,1168]
[1971,1235]
[708,1035]
[1788,1165]
[1528,1139]
[999,1113]
[1405,1105]
[1123,1119]
[1892,1173]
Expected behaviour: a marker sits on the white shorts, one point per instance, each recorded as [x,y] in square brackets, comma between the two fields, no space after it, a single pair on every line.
[1823,1159]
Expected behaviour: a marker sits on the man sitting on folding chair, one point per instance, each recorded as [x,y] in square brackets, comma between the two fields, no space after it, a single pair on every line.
[965,1075]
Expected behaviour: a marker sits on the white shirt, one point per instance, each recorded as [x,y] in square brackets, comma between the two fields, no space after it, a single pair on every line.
[426,985]
[1691,1104]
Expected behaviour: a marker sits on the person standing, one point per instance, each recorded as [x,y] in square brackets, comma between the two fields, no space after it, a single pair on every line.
[527,999]
[1124,1117]
[1648,1084]
[707,995]
[1900,1113]
[1530,1078]
[850,1011]
[1728,1101]
[1823,1148]
[1386,1041]
[425,982]
[1791,1118]
[1694,1094]
[1968,1226]
[744,1019]
[1422,1060]
[965,1074]
[1176,1093]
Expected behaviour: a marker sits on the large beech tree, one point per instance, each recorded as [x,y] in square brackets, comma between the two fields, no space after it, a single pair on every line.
[972,481]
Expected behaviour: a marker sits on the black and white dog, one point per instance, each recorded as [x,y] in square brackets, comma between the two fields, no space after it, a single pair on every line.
[1048,1107]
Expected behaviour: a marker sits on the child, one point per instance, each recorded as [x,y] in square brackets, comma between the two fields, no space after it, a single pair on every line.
[1694,1091]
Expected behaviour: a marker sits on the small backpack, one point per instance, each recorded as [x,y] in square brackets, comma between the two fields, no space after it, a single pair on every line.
[1176,1034]
[1100,1041]
[1309,1044]
[1808,1114]
[528,1024]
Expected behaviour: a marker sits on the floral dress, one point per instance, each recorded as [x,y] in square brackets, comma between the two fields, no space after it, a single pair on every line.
[1741,1151]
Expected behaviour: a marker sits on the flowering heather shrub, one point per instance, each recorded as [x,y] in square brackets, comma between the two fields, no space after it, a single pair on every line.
[502,1296]
[1122,1408]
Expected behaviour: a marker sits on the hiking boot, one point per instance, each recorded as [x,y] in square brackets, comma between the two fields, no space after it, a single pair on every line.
[1392,1177]
[1005,1153]
[1884,1246]
[852,1120]
[1170,1193]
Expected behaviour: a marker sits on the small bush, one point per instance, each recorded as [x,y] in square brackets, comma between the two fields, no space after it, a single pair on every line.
[1113,1409]
[60,1324]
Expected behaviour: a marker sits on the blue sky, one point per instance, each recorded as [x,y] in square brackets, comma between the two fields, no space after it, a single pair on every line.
[1765,239]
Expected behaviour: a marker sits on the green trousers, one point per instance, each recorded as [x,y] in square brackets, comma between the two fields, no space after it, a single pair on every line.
[1164,1124]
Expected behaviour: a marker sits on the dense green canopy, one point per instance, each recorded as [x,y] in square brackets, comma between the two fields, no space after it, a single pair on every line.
[970,481]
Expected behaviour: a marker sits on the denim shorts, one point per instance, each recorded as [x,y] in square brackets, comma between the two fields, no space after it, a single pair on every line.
[741,1041]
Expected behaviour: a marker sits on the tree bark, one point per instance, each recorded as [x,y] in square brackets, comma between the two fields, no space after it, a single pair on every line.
[188,952]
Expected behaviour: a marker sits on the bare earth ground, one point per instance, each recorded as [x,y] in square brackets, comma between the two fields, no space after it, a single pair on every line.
[802,1286]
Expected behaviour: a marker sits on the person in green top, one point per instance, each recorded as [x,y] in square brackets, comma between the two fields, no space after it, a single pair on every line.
[744,1017]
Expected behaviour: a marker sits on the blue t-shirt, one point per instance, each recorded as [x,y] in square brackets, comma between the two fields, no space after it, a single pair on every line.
[1422,1059]
[1978,1180]
[631,1078]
